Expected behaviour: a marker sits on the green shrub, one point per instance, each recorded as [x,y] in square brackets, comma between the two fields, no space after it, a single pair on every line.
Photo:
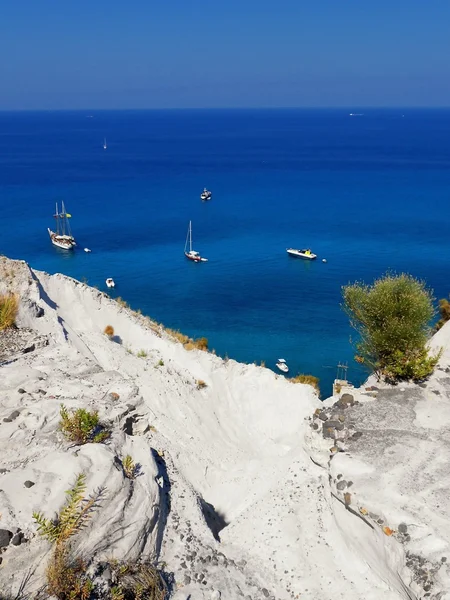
[392,318]
[81,426]
[308,379]
[9,306]
[66,575]
[142,354]
[72,517]
[410,366]
[444,311]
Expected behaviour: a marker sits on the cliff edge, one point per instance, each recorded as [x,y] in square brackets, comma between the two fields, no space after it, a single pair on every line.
[248,485]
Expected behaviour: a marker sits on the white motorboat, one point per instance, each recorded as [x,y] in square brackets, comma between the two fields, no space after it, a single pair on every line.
[104,144]
[305,253]
[110,282]
[87,250]
[189,253]
[62,237]
[281,364]
[206,194]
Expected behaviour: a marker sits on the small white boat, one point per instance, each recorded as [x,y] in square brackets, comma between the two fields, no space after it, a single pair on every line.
[63,237]
[305,253]
[281,364]
[104,144]
[192,254]
[324,260]
[87,250]
[206,194]
[110,282]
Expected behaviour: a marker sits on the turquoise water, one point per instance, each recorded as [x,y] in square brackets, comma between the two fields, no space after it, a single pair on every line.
[367,193]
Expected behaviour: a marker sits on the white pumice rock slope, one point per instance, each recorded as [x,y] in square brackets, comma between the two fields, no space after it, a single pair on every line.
[249,487]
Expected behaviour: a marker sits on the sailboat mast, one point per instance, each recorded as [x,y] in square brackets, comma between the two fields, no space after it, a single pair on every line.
[57,218]
[190,236]
[63,218]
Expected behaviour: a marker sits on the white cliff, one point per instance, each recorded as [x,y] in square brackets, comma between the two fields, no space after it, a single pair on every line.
[245,490]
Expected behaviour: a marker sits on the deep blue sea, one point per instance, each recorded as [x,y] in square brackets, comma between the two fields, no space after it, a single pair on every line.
[368,193]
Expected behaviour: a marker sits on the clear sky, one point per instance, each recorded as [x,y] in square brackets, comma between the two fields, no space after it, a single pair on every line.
[57,54]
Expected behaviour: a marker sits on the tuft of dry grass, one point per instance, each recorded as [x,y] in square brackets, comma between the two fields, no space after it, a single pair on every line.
[142,354]
[201,343]
[9,307]
[66,576]
[109,331]
[177,335]
[130,468]
[308,379]
[137,581]
[122,302]
[188,343]
[201,384]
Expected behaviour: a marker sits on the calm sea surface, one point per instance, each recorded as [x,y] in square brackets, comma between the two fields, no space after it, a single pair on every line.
[368,193]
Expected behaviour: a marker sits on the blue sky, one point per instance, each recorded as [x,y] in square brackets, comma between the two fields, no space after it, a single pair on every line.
[235,53]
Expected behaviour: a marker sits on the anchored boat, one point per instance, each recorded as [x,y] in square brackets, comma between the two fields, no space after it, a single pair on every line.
[305,253]
[206,194]
[62,237]
[281,364]
[192,254]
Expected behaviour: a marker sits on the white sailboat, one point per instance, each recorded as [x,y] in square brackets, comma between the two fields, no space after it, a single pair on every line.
[192,254]
[62,237]
[104,144]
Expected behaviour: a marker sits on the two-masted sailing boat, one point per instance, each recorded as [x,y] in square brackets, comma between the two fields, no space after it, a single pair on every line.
[192,254]
[63,237]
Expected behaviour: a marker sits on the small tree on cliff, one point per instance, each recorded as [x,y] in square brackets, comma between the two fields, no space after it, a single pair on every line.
[392,318]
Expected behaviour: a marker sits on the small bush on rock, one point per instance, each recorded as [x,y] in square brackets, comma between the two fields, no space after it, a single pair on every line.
[81,426]
[410,366]
[142,354]
[9,306]
[392,317]
[130,468]
[444,311]
[201,384]
[109,331]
